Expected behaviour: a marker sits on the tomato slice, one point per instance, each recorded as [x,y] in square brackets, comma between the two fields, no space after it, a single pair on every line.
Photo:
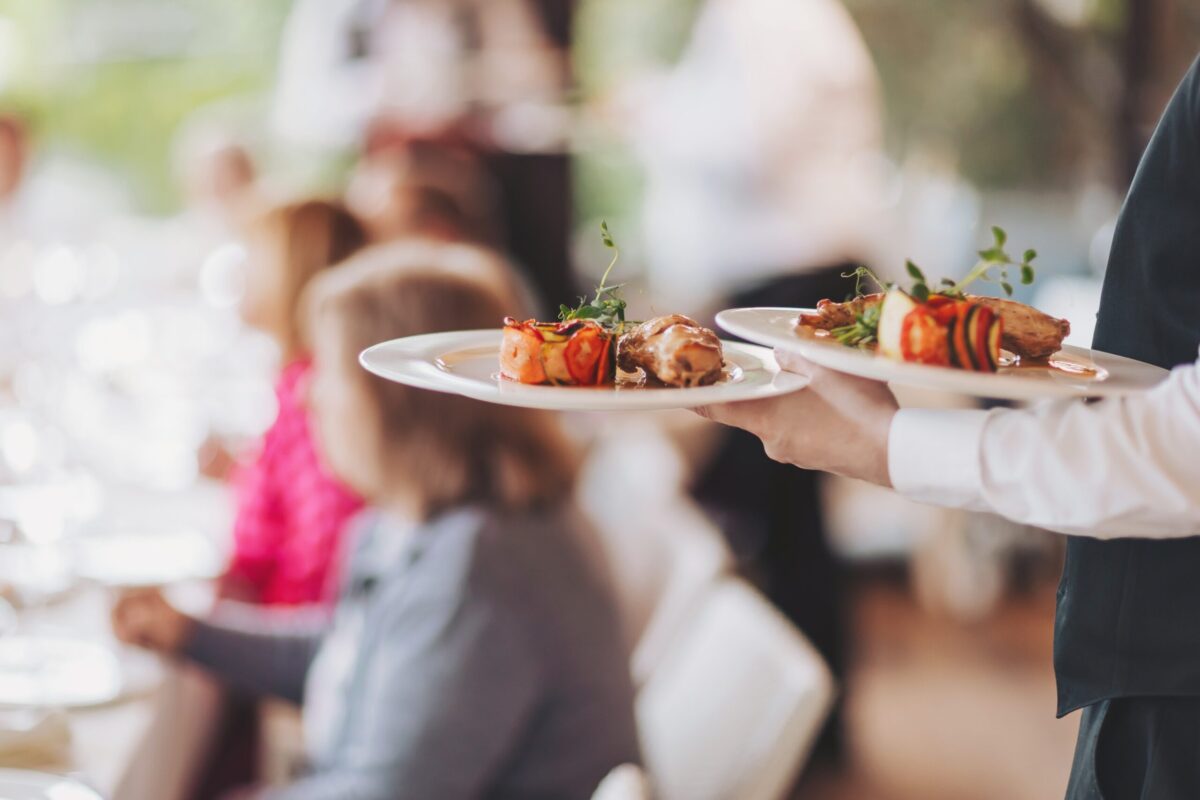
[983,340]
[923,339]
[587,356]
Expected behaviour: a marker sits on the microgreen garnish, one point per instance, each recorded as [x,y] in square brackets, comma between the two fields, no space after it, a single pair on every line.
[920,287]
[606,308]
[862,331]
[997,258]
[860,272]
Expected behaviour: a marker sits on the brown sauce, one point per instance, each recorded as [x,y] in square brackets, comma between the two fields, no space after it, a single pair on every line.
[1066,366]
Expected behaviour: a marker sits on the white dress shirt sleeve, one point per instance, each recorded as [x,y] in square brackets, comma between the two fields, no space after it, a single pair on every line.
[1120,467]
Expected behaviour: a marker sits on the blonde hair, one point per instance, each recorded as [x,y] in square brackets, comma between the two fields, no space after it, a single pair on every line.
[308,237]
[448,450]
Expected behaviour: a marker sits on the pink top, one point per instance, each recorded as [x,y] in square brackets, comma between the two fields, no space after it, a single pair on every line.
[291,510]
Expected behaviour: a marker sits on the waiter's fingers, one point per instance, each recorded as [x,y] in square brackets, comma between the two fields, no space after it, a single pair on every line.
[794,362]
[748,414]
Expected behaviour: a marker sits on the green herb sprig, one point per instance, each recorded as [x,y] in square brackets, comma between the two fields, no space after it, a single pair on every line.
[606,308]
[997,258]
[862,272]
[865,328]
[994,258]
[863,331]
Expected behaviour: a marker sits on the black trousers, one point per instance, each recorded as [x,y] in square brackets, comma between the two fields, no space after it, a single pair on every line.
[1138,748]
[771,513]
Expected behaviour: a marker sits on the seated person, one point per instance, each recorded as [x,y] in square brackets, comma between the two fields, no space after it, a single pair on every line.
[475,650]
[290,511]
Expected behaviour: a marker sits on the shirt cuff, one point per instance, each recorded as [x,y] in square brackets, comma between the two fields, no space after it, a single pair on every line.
[933,456]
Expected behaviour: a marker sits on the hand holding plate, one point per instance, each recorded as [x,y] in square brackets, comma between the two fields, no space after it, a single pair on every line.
[838,424]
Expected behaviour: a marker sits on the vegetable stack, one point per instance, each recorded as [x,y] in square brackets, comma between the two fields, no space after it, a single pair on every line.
[943,326]
[578,350]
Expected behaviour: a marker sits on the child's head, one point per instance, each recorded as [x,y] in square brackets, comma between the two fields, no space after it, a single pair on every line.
[288,246]
[396,443]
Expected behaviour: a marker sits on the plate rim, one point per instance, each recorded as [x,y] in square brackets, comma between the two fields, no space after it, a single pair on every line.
[415,351]
[1005,387]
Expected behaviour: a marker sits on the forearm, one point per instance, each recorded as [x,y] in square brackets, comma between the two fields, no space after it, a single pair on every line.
[258,650]
[1122,467]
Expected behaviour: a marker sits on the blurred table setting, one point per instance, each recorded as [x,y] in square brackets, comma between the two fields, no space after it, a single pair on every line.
[116,378]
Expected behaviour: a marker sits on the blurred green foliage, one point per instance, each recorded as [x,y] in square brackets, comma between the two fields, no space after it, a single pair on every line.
[617,41]
[112,80]
[964,81]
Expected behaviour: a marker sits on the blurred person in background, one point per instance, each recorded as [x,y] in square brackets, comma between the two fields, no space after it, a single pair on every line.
[290,512]
[50,198]
[428,191]
[14,149]
[432,68]
[761,149]
[475,650]
[482,77]
[220,180]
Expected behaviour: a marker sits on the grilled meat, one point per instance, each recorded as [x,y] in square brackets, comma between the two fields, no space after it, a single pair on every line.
[674,349]
[1027,332]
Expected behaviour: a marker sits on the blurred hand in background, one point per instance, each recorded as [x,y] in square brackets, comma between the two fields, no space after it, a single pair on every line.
[144,618]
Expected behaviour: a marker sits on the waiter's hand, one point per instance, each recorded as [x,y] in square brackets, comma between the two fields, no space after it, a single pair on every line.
[143,617]
[837,424]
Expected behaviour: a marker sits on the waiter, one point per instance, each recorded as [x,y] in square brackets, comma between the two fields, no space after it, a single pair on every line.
[1120,477]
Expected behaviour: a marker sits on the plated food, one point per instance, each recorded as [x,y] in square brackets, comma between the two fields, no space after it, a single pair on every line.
[594,345]
[999,323]
[946,327]
[669,351]
[590,359]
[944,339]
[1071,372]
[466,363]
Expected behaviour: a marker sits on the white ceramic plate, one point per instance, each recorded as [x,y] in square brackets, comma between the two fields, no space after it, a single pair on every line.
[145,559]
[1083,372]
[45,671]
[468,363]
[20,784]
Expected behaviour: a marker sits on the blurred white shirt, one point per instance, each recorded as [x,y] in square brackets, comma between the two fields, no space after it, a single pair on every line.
[763,150]
[1121,467]
[326,87]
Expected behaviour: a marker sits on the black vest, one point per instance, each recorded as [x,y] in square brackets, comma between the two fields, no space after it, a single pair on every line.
[1128,619]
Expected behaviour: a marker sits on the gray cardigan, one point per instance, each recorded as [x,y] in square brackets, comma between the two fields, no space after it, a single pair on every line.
[491,664]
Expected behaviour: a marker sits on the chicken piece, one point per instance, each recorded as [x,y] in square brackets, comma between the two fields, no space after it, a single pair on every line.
[674,349]
[1027,332]
[832,315]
